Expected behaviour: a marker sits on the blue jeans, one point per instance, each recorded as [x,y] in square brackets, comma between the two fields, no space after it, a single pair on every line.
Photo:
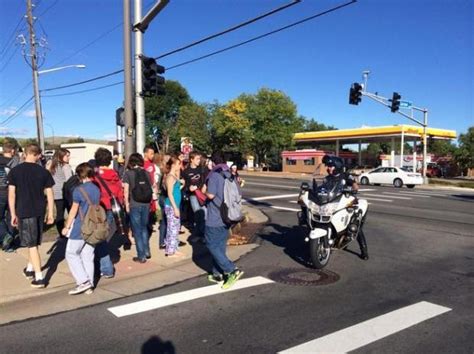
[216,242]
[5,220]
[163,224]
[102,249]
[199,215]
[139,222]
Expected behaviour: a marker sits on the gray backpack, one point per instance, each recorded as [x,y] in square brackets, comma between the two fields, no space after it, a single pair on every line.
[231,207]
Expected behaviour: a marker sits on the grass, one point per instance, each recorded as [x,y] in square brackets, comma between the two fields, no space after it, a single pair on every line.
[464,184]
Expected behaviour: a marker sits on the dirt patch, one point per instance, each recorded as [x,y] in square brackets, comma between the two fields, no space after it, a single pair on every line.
[244,234]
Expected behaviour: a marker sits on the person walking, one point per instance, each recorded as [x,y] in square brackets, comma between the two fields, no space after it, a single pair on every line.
[61,171]
[7,162]
[217,232]
[110,185]
[138,194]
[27,185]
[79,254]
[172,207]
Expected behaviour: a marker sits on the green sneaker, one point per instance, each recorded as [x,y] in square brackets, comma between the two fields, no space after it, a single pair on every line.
[232,279]
[216,279]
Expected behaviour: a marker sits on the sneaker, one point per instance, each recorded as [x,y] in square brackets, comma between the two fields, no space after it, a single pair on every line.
[215,278]
[107,276]
[7,242]
[80,289]
[28,274]
[38,283]
[232,279]
[89,291]
[139,260]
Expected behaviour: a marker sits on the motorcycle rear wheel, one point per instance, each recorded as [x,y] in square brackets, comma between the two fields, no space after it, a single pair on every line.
[319,255]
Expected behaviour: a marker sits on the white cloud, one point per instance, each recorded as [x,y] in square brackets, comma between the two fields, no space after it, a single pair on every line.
[8,111]
[5,131]
[30,114]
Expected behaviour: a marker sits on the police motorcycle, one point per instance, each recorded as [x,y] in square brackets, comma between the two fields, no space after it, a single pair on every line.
[333,215]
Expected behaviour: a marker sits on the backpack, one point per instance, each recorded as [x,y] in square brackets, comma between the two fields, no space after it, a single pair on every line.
[68,189]
[95,227]
[231,206]
[142,191]
[4,170]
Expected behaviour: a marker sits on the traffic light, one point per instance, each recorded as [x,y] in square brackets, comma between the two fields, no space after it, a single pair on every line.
[120,116]
[355,94]
[395,102]
[152,83]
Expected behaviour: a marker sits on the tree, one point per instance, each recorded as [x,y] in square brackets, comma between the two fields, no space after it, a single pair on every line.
[273,119]
[464,156]
[194,122]
[311,125]
[75,140]
[161,114]
[441,147]
[232,128]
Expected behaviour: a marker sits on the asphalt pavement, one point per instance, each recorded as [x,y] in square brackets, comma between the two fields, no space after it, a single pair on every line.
[414,294]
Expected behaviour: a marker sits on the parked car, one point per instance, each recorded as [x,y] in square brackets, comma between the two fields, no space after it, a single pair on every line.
[391,175]
[358,170]
[433,170]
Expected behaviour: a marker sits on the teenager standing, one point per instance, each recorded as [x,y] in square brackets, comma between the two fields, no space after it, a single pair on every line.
[172,207]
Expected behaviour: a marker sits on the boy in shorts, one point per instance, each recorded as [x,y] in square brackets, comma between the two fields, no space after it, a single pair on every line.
[27,185]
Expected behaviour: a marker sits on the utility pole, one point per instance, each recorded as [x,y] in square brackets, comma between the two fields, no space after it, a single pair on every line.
[139,100]
[34,66]
[128,85]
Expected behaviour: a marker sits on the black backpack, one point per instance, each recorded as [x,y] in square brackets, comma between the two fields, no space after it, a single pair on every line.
[68,189]
[142,191]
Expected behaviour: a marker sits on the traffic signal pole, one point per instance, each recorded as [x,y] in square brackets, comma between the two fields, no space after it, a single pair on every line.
[139,100]
[128,86]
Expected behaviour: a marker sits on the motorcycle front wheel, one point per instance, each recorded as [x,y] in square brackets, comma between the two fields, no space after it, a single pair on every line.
[318,253]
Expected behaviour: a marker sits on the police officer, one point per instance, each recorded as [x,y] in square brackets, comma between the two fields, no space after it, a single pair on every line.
[335,170]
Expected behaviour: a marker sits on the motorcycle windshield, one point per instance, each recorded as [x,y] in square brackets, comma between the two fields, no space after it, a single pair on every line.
[329,191]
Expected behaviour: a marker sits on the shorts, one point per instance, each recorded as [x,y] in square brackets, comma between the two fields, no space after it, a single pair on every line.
[31,231]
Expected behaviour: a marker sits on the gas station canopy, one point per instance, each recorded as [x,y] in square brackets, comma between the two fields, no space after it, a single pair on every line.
[373,134]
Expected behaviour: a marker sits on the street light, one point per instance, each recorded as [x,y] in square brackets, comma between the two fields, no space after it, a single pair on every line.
[39,113]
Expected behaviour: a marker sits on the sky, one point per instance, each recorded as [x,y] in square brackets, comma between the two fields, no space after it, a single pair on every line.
[422,49]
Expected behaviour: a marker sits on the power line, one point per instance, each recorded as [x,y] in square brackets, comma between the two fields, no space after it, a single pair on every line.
[15,114]
[84,91]
[243,24]
[9,59]
[12,40]
[17,95]
[261,36]
[49,8]
[179,49]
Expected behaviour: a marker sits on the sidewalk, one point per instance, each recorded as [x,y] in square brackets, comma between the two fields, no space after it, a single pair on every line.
[18,300]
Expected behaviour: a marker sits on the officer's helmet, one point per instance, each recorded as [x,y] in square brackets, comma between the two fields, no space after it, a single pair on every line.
[335,161]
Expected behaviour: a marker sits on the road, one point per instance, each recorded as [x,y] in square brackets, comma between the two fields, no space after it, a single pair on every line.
[414,294]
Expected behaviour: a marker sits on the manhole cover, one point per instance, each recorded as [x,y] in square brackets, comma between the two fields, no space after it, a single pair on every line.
[304,277]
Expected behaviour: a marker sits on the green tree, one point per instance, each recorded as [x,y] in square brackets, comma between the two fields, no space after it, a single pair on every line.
[311,125]
[231,128]
[441,147]
[273,119]
[464,155]
[75,140]
[194,122]
[162,112]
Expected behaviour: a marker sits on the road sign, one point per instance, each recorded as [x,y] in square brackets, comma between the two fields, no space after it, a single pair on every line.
[406,104]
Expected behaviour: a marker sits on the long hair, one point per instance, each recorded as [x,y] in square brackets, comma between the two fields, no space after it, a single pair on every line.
[58,159]
[173,159]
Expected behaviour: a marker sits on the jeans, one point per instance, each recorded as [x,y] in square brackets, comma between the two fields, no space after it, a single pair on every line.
[139,223]
[80,259]
[102,249]
[60,206]
[216,241]
[199,215]
[5,220]
[163,225]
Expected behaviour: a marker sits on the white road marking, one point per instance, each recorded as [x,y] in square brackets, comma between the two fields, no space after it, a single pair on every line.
[377,199]
[367,332]
[378,195]
[366,190]
[407,193]
[271,185]
[283,208]
[282,196]
[172,299]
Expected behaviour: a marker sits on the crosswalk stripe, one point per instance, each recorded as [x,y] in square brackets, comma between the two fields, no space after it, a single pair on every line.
[372,330]
[283,208]
[377,199]
[172,299]
[378,195]
[269,185]
[282,196]
[409,194]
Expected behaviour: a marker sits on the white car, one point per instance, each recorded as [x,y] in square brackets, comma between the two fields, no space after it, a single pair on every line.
[391,175]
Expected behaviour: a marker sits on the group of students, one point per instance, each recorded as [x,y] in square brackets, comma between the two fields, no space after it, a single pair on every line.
[150,185]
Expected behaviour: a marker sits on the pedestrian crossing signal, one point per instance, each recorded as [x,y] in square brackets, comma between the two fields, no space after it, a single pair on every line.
[355,93]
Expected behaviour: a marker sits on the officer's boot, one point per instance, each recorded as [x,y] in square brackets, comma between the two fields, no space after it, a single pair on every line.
[363,245]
